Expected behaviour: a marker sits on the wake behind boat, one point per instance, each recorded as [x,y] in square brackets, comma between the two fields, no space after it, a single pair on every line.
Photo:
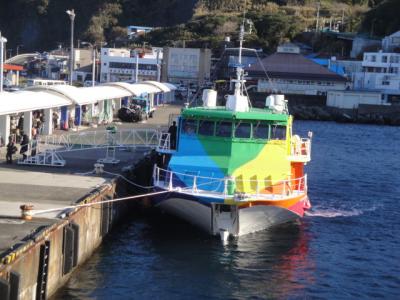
[234,169]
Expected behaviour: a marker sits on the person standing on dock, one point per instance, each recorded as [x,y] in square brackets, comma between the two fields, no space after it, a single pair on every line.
[172,135]
[55,120]
[11,149]
[34,145]
[24,146]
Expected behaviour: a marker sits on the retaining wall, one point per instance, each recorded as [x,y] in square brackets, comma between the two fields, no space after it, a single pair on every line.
[44,261]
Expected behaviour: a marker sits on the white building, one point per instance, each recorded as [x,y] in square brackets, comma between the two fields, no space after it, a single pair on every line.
[121,64]
[187,65]
[381,71]
[352,99]
[391,42]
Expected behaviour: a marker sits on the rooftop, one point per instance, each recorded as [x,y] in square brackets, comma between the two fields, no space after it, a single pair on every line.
[290,65]
[221,112]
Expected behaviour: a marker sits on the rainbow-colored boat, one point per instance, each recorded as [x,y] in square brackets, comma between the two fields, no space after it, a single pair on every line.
[234,169]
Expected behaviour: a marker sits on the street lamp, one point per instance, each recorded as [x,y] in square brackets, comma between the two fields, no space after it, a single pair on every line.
[158,51]
[94,61]
[71,14]
[136,53]
[18,46]
[3,40]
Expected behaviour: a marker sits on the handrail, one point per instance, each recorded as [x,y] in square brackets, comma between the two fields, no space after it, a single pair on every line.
[301,148]
[95,139]
[227,186]
[164,142]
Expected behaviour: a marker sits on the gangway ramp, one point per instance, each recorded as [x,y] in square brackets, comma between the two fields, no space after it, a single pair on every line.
[49,149]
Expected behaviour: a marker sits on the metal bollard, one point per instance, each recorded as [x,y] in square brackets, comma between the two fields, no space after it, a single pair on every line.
[26,212]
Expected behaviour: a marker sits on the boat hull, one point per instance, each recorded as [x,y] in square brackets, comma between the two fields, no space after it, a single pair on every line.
[236,219]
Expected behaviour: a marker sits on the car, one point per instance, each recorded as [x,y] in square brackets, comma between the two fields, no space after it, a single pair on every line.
[181,88]
[88,83]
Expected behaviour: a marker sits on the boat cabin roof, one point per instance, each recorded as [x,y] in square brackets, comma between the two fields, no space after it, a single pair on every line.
[217,113]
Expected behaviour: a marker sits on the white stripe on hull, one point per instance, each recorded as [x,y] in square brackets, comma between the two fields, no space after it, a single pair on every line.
[251,219]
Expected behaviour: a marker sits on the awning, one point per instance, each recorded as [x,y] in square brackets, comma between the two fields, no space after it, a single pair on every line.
[171,86]
[161,86]
[28,101]
[84,95]
[9,67]
[136,89]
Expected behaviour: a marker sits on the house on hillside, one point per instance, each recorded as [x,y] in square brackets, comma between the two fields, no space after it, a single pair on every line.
[289,72]
[136,31]
[391,43]
[381,72]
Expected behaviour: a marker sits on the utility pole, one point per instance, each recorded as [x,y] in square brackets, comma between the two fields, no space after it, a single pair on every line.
[71,14]
[3,40]
[317,24]
[137,67]
[342,20]
[94,66]
[158,66]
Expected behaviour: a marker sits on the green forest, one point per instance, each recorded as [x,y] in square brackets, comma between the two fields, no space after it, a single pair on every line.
[43,24]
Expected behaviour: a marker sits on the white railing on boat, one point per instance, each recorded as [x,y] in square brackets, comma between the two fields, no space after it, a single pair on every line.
[164,143]
[300,149]
[225,187]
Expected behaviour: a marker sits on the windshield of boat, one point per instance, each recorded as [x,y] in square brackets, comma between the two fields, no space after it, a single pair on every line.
[259,131]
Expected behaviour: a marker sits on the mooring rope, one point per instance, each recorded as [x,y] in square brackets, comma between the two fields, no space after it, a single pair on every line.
[38,212]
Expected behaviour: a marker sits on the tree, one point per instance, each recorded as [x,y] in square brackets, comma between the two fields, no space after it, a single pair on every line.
[105,19]
[274,28]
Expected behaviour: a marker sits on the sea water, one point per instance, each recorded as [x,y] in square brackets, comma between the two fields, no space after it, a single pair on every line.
[347,246]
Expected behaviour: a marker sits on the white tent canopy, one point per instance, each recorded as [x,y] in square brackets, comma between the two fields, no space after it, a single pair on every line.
[136,89]
[162,86]
[43,97]
[171,86]
[23,101]
[85,95]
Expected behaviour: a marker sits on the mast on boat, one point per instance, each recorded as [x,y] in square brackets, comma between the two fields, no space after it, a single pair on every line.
[238,102]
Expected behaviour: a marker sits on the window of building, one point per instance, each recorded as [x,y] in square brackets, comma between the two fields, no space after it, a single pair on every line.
[261,130]
[243,130]
[384,58]
[278,132]
[373,58]
[189,126]
[385,82]
[224,129]
[206,128]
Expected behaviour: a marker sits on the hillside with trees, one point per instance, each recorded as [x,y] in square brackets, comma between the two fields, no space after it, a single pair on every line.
[43,24]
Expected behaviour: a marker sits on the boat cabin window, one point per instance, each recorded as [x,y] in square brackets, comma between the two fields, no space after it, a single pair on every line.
[189,126]
[261,130]
[206,128]
[243,130]
[278,132]
[224,129]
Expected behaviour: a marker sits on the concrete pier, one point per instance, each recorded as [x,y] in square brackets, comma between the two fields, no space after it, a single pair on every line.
[38,256]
